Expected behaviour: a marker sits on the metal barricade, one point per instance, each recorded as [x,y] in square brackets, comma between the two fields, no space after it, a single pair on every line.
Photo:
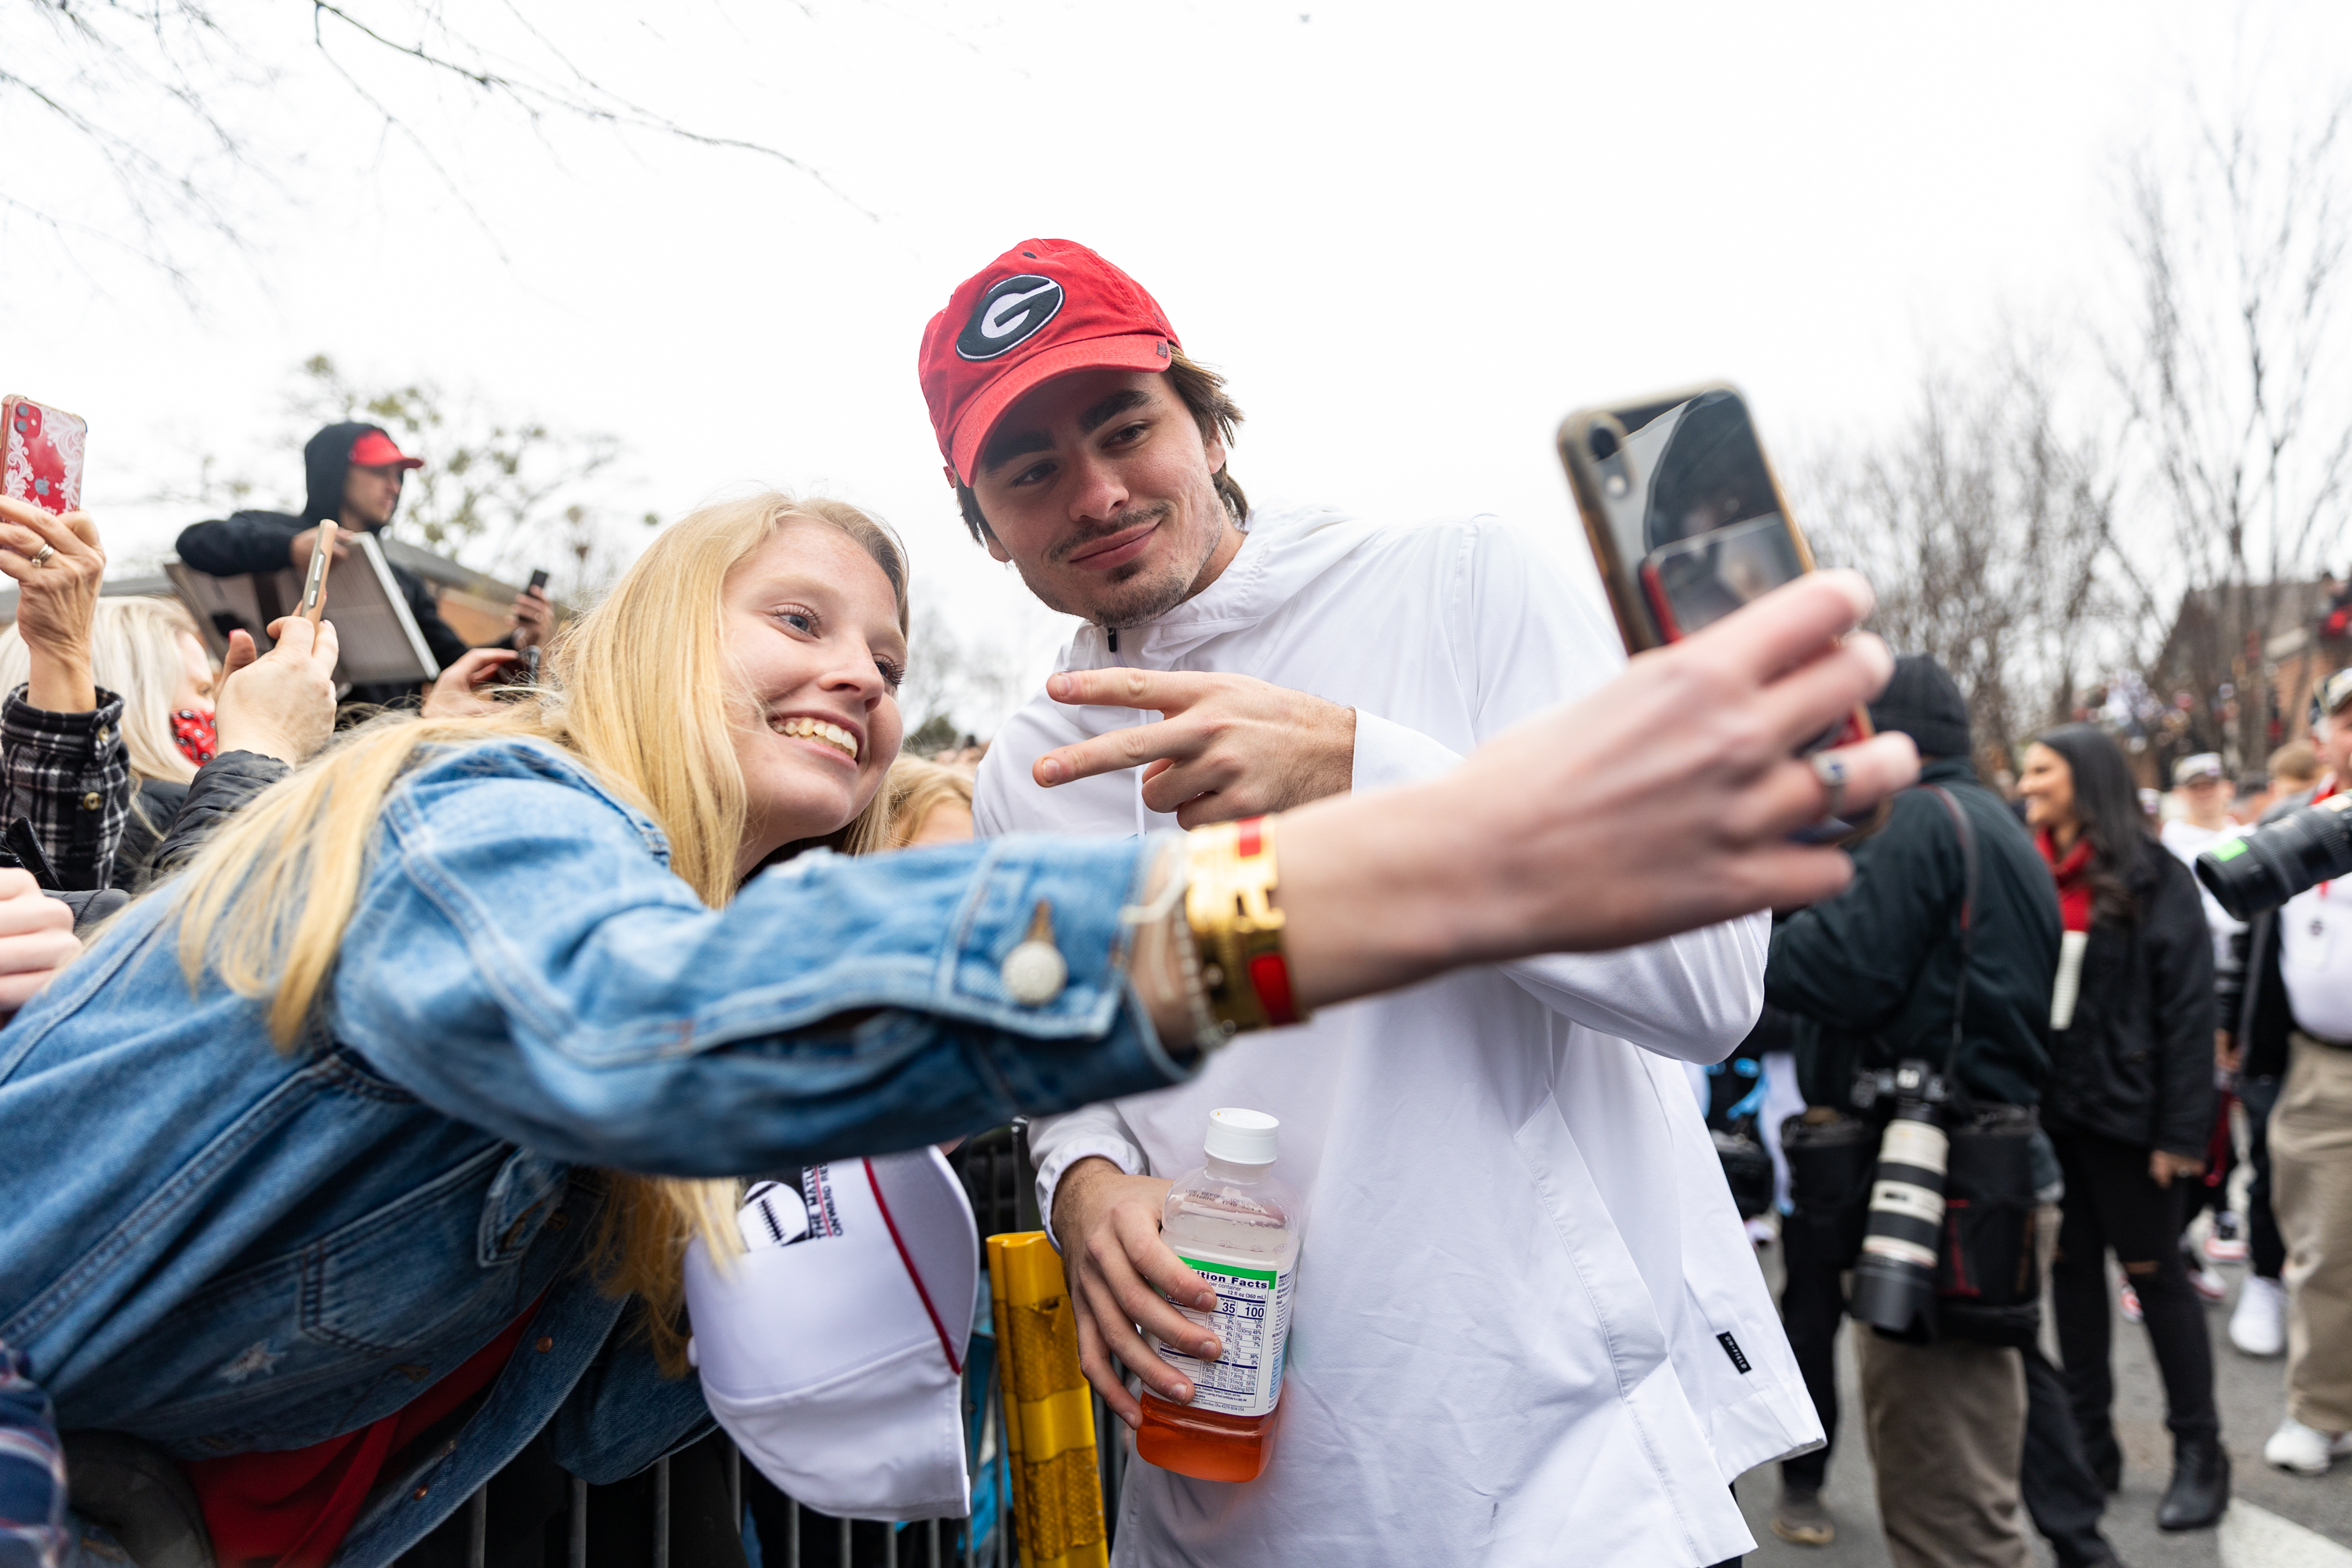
[995,1171]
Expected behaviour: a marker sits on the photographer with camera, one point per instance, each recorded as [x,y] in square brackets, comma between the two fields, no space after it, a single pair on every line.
[1921,997]
[2291,1024]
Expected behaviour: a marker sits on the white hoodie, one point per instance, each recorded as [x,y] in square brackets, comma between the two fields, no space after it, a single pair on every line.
[1528,1325]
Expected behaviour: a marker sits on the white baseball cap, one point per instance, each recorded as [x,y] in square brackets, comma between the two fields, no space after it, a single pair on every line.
[832,1349]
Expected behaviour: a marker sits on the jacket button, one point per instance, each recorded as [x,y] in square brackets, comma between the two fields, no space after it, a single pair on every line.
[546,1344]
[92,801]
[1034,971]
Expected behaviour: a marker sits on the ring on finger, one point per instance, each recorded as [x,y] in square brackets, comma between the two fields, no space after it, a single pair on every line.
[1831,769]
[41,556]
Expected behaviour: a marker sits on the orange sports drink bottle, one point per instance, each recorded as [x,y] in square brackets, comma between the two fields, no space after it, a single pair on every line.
[1236,1227]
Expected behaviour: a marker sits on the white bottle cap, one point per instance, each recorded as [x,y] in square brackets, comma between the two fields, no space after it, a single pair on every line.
[1242,1137]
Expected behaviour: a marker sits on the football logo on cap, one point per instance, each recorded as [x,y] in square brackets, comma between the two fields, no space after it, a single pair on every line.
[1012,311]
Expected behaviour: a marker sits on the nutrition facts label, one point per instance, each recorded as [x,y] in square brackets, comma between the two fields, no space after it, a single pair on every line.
[1252,1319]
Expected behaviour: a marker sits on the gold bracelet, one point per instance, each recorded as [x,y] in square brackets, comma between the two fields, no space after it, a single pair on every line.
[1229,903]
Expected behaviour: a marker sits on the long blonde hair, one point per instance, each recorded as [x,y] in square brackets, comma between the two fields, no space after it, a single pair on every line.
[643,692]
[134,652]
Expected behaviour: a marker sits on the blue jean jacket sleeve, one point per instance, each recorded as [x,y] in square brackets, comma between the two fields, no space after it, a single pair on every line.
[522,959]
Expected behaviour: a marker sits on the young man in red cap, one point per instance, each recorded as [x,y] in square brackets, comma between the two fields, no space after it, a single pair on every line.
[353,478]
[1527,1324]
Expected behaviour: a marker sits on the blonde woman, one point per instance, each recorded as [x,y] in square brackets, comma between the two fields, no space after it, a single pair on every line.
[146,652]
[930,802]
[365,1151]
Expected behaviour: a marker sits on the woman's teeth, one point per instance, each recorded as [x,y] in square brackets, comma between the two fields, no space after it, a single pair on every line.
[817,730]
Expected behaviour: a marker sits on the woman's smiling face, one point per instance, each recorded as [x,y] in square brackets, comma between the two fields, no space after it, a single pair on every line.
[811,625]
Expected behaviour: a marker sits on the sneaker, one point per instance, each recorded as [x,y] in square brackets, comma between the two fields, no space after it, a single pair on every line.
[1761,1232]
[2225,1243]
[2258,1325]
[2128,1299]
[2209,1286]
[1800,1520]
[2305,1450]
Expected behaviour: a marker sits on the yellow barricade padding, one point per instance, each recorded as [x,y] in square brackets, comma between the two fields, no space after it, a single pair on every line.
[1049,1410]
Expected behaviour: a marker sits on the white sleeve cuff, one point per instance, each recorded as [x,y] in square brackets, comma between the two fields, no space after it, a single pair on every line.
[1108,1145]
[1387,754]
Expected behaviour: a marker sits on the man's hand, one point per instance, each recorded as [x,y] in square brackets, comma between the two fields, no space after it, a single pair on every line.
[1122,1274]
[458,694]
[2226,1055]
[1229,747]
[37,939]
[282,703]
[533,618]
[2163,1165]
[57,600]
[298,548]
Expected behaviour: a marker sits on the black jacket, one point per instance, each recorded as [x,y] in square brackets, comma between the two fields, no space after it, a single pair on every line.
[258,541]
[222,788]
[2136,1065]
[154,804]
[1871,975]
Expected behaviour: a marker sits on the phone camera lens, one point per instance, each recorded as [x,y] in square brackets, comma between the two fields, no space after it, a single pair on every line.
[1602,442]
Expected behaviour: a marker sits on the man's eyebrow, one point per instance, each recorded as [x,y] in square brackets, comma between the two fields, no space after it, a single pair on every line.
[1007,445]
[1118,402]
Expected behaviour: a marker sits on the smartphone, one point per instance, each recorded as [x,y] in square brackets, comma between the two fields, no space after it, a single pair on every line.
[1686,521]
[41,461]
[314,585]
[531,655]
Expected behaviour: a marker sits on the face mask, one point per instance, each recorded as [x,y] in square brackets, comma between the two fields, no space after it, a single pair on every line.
[832,1350]
[196,737]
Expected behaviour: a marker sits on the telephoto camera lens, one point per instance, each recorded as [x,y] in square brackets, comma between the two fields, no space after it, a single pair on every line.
[2271,865]
[1895,1278]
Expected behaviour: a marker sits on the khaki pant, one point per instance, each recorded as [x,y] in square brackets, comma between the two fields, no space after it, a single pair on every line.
[2311,1193]
[1946,1425]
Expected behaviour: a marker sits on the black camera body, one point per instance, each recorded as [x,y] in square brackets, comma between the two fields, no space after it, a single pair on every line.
[2265,869]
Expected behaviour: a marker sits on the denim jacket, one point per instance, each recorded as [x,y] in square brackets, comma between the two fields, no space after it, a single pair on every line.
[220,1247]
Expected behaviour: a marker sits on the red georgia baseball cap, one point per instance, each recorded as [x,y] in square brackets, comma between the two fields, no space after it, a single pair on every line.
[375,450]
[1043,308]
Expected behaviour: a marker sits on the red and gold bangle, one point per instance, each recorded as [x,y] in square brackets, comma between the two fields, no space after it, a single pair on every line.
[1229,904]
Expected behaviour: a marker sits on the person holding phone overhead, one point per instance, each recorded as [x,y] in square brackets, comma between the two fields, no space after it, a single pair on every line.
[1528,1321]
[63,765]
[353,476]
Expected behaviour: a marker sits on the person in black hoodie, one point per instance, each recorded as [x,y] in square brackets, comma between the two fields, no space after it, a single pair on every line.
[2129,1103]
[352,475]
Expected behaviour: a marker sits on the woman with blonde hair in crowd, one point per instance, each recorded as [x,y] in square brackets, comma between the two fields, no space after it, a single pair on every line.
[930,802]
[146,651]
[365,1151]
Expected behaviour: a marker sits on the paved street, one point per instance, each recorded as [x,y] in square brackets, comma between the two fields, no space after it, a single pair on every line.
[2277,1521]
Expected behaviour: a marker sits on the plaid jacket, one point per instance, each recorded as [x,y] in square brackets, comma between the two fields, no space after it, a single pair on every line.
[31,1471]
[69,775]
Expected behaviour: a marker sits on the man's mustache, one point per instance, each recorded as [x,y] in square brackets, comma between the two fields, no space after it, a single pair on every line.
[1133,517]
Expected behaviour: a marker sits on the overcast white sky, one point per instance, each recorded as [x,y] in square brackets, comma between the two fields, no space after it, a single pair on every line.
[1413,236]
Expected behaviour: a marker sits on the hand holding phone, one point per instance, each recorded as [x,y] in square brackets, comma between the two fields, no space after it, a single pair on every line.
[1686,521]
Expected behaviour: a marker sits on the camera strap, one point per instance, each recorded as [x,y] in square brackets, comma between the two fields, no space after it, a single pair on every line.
[1968,924]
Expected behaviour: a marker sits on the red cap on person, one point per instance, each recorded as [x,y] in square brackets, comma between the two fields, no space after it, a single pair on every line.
[375,450]
[1043,308]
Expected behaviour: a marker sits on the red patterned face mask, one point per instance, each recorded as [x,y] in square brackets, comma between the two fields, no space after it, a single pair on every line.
[193,731]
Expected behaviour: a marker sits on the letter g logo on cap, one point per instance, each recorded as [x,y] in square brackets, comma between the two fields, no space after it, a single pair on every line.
[1011,313]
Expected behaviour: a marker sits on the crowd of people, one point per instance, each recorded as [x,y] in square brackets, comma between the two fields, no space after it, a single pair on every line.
[378,1055]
